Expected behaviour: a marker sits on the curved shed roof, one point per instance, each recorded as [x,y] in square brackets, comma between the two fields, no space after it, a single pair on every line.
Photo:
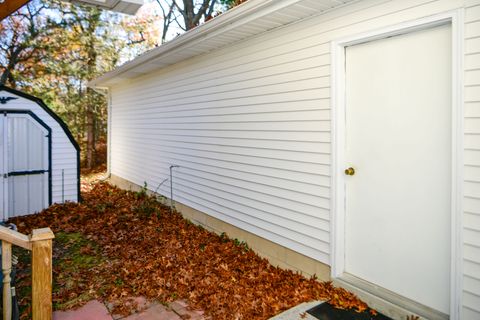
[55,119]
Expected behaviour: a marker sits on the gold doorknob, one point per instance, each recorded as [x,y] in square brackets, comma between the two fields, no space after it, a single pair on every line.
[350,171]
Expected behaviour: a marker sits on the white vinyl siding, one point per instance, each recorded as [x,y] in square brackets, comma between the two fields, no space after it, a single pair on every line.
[471,218]
[249,125]
[64,154]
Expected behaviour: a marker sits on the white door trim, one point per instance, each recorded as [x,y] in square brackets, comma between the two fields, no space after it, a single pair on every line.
[455,18]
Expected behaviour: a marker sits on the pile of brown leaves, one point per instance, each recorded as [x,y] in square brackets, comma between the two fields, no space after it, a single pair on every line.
[148,251]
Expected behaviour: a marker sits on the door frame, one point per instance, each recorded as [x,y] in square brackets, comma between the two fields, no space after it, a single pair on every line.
[35,118]
[337,235]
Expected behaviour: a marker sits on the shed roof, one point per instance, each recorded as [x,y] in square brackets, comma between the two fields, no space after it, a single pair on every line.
[246,20]
[7,7]
[123,6]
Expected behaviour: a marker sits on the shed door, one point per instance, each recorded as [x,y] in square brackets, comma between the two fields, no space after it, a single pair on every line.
[398,140]
[25,165]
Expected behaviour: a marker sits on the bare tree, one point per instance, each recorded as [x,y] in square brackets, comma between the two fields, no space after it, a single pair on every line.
[188,14]
[193,13]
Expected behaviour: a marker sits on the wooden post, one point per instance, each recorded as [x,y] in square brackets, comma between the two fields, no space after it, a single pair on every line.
[6,270]
[42,273]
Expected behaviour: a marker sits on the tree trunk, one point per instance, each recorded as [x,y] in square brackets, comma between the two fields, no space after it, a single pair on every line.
[7,73]
[12,62]
[4,77]
[192,18]
[90,137]
[90,106]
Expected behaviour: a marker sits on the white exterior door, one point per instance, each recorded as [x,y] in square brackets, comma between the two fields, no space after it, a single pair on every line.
[398,140]
[25,165]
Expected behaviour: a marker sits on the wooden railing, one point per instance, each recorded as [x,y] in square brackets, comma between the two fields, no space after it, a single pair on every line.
[40,245]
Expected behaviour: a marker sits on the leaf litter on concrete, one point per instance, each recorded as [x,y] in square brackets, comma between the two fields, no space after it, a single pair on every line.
[140,248]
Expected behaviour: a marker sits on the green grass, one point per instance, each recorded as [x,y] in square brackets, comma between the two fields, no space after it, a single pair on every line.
[74,252]
[73,258]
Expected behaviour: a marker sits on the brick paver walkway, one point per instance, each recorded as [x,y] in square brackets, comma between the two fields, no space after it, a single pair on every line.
[95,310]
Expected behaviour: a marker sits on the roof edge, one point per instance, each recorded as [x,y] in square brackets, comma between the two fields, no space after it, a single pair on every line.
[247,11]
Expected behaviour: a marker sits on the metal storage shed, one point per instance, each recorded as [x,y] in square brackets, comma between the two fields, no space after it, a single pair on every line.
[39,158]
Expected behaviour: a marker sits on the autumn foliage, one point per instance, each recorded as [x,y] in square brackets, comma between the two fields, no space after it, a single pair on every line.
[148,251]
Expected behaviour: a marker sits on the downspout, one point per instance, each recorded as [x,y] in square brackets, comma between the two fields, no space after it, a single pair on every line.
[109,133]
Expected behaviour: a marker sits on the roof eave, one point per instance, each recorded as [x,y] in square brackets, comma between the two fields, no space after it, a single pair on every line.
[248,11]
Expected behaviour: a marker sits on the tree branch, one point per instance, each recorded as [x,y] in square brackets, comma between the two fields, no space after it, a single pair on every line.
[201,12]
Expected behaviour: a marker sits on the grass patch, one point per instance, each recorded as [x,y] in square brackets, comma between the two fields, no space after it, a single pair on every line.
[74,257]
[74,252]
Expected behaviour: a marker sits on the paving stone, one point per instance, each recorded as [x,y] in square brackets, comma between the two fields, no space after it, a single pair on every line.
[181,308]
[92,310]
[155,312]
[110,306]
[145,310]
[141,304]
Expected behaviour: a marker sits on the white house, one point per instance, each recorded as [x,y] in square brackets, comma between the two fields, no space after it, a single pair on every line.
[39,158]
[339,138]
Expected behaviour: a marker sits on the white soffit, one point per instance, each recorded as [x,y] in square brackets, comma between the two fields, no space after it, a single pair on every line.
[248,19]
[122,6]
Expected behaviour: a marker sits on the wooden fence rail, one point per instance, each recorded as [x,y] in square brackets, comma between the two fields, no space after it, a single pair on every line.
[40,245]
